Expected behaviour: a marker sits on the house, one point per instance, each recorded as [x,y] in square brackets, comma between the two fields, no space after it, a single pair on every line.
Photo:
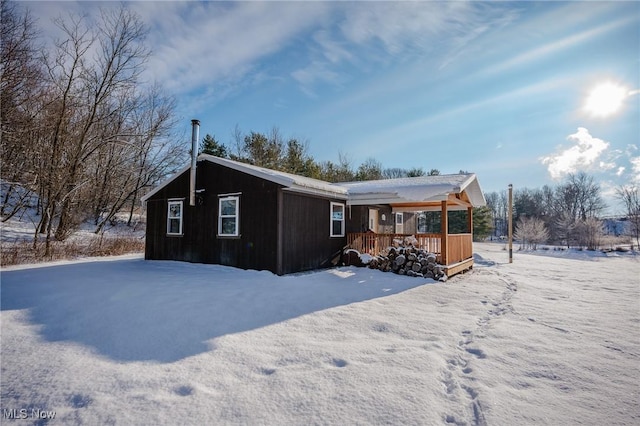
[256,218]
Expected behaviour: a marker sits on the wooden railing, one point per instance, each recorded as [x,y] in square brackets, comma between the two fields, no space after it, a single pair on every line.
[459,245]
[371,243]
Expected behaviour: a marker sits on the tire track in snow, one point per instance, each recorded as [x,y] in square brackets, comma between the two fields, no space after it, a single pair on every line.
[457,377]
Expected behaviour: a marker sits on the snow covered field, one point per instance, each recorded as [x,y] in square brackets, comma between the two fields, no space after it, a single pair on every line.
[545,340]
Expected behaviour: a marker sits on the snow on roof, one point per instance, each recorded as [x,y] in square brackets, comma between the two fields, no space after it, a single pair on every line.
[291,181]
[385,191]
[415,189]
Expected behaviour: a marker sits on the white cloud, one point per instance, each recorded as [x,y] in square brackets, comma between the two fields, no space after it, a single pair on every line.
[635,169]
[583,155]
[314,72]
[556,46]
[215,44]
[373,34]
[620,171]
[607,165]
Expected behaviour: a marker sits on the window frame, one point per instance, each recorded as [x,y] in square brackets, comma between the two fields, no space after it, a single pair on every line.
[332,220]
[399,219]
[399,223]
[228,197]
[180,218]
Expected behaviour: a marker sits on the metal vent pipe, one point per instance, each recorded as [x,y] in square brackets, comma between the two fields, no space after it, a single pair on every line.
[195,131]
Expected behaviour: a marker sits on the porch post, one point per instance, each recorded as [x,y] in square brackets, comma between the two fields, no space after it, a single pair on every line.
[470,220]
[444,233]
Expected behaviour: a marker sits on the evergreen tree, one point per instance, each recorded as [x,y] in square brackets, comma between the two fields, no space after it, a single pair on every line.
[211,146]
[482,225]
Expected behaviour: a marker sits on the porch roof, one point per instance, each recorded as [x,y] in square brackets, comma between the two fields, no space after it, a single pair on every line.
[418,193]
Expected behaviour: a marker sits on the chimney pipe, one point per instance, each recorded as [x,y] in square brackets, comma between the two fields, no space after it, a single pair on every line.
[195,130]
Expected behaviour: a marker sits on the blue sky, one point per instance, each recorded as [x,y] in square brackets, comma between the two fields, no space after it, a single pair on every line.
[494,88]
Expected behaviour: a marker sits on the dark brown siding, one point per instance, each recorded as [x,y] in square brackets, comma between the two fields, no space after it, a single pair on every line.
[306,222]
[256,246]
[357,218]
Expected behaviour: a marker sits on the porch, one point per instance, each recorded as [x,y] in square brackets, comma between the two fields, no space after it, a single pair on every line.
[373,205]
[454,252]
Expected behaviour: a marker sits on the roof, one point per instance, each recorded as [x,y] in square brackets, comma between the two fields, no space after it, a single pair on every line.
[290,181]
[422,189]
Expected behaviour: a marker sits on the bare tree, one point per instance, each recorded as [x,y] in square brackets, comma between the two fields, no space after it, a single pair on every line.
[631,200]
[531,231]
[394,173]
[579,197]
[590,233]
[19,89]
[564,227]
[497,203]
[92,72]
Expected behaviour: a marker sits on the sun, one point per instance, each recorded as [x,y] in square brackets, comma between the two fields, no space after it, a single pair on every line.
[605,99]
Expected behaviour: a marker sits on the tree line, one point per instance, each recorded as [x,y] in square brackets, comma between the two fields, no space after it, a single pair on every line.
[568,214]
[274,151]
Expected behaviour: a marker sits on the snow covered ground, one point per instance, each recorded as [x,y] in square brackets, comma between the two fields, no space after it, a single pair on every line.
[545,340]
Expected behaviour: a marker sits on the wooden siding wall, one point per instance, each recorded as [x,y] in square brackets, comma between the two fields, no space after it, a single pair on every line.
[256,246]
[306,222]
[410,223]
[358,219]
[460,247]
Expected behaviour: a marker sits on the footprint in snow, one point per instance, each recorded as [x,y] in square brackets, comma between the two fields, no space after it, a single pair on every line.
[477,352]
[80,401]
[339,362]
[184,390]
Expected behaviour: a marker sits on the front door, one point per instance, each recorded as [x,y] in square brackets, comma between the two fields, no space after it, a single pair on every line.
[373,220]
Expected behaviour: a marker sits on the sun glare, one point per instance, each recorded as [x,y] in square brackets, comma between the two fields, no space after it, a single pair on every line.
[605,99]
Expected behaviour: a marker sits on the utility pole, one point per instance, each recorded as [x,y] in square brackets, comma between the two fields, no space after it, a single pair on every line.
[510,223]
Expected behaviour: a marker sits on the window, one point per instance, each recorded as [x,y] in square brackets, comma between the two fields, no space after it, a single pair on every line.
[229,216]
[174,218]
[399,226]
[337,220]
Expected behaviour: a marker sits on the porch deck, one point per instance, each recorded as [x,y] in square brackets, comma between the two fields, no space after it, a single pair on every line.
[456,257]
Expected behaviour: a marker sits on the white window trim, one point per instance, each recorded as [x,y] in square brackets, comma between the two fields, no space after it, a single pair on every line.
[222,198]
[331,220]
[399,219]
[169,217]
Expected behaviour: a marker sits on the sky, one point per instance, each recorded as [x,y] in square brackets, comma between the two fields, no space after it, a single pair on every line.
[501,89]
